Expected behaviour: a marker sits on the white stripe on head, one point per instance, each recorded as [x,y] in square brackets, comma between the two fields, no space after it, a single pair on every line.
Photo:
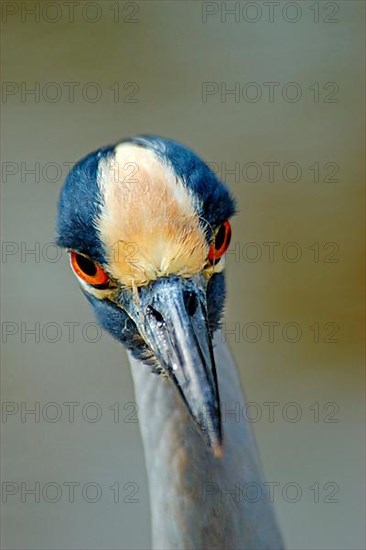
[148,223]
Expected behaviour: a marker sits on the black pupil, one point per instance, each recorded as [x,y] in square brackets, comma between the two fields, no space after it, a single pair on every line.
[87,266]
[220,237]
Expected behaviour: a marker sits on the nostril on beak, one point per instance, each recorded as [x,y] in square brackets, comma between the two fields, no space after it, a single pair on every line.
[190,300]
[153,313]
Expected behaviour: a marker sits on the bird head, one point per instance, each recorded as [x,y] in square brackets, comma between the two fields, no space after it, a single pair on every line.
[146,225]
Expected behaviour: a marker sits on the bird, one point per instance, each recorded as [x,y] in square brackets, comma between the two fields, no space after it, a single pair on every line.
[146,223]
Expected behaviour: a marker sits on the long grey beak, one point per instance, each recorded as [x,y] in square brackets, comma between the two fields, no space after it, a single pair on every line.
[173,313]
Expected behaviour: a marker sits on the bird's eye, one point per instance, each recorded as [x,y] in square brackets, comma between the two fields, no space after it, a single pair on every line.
[221,242]
[87,270]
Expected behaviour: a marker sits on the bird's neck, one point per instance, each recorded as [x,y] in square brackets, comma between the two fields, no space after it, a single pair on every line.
[198,501]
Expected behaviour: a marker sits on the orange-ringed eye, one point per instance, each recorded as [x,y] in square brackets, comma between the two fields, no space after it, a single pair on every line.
[87,270]
[221,242]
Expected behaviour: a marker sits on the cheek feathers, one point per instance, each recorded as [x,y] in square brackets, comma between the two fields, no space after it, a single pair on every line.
[148,222]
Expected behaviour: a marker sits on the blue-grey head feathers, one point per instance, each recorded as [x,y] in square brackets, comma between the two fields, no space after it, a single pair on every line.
[80,205]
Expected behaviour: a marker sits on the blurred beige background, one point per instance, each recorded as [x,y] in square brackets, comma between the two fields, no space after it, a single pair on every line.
[148,62]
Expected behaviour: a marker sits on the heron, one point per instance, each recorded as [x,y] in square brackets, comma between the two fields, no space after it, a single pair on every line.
[147,224]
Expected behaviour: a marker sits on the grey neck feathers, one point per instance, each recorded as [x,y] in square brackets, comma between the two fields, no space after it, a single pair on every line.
[197,501]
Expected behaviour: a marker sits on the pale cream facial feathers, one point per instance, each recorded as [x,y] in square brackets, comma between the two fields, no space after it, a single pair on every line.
[148,222]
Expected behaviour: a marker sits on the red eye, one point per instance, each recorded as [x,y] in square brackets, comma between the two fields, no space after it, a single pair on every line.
[221,242]
[87,270]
